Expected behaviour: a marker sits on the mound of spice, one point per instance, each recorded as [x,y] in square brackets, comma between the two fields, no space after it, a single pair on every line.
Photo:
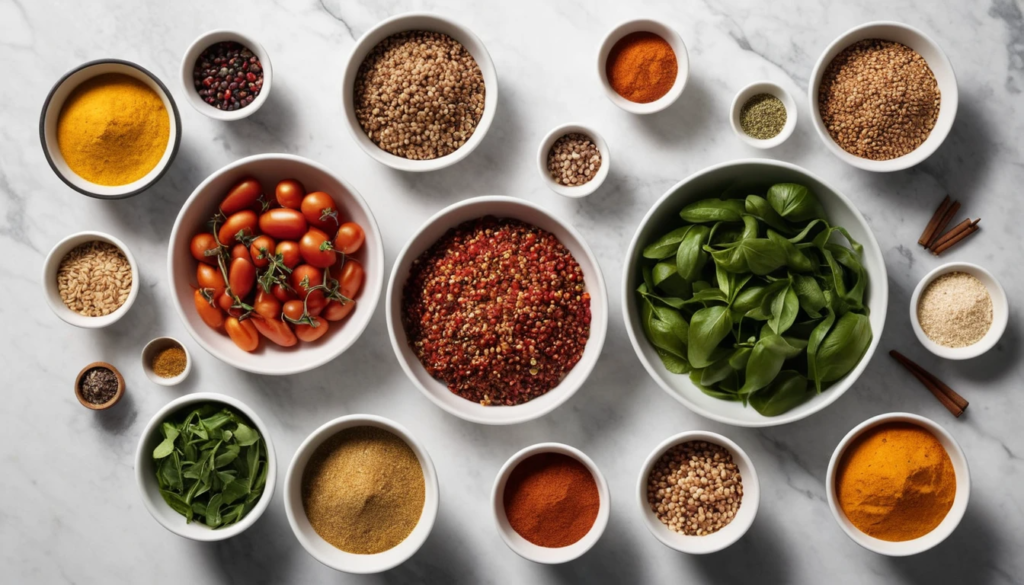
[496,309]
[879,99]
[228,76]
[895,482]
[642,67]
[169,362]
[955,310]
[695,488]
[363,490]
[763,116]
[419,95]
[551,500]
[98,385]
[113,129]
[574,160]
[94,279]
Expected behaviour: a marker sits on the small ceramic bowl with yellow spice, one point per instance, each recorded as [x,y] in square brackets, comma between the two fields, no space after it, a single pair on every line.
[898,484]
[959,311]
[90,279]
[643,66]
[342,465]
[109,129]
[763,115]
[166,361]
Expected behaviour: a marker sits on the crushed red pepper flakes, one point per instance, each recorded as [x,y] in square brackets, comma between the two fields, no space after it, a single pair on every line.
[497,310]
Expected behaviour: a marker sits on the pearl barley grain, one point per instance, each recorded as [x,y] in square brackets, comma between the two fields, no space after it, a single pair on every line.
[695,488]
[574,160]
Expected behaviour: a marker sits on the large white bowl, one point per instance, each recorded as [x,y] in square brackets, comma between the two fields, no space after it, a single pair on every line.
[145,471]
[948,524]
[937,61]
[324,551]
[181,266]
[737,176]
[410,22]
[530,213]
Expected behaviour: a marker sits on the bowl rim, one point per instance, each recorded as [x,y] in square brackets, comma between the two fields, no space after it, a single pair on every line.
[150,347]
[769,87]
[144,479]
[879,287]
[362,48]
[533,552]
[602,173]
[948,524]
[121,386]
[594,282]
[373,238]
[431,502]
[912,158]
[672,37]
[997,328]
[174,114]
[751,497]
[203,42]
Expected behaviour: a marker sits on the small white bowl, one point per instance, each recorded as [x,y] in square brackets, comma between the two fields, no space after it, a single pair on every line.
[52,263]
[586,188]
[156,346]
[937,61]
[682,61]
[145,472]
[1000,312]
[410,22]
[716,541]
[188,64]
[750,91]
[435,390]
[51,114]
[325,552]
[948,524]
[543,554]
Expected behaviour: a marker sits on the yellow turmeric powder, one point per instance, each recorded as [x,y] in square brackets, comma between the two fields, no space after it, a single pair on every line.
[896,482]
[113,129]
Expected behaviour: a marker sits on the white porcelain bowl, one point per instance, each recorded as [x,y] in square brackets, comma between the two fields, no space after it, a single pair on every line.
[737,177]
[755,89]
[716,541]
[937,61]
[948,524]
[325,552]
[188,63]
[269,169]
[49,278]
[156,346]
[1000,312]
[586,188]
[145,471]
[432,230]
[682,61]
[543,554]
[410,22]
[51,114]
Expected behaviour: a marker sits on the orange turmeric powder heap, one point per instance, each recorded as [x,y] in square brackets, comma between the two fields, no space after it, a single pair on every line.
[642,67]
[896,482]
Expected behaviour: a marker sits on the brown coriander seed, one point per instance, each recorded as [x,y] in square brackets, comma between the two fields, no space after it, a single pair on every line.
[574,160]
[695,488]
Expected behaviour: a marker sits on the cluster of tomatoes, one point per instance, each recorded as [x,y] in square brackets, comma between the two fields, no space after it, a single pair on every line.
[277,267]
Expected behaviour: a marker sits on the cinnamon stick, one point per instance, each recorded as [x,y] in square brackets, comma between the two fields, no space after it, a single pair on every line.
[953,232]
[963,235]
[946,218]
[953,402]
[933,223]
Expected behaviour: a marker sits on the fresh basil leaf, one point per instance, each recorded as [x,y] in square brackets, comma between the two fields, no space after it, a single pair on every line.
[739,358]
[245,436]
[785,307]
[666,245]
[795,259]
[213,519]
[708,327]
[750,228]
[233,491]
[759,208]
[759,255]
[691,257]
[766,360]
[177,504]
[716,372]
[795,202]
[843,347]
[666,278]
[786,392]
[673,363]
[812,299]
[712,210]
[165,448]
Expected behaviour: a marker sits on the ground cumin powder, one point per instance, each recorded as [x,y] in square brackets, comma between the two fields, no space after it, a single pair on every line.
[896,482]
[363,490]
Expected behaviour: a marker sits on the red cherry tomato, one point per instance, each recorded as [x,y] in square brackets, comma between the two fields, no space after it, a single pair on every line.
[293,309]
[289,193]
[242,277]
[349,238]
[261,250]
[310,275]
[336,311]
[242,196]
[290,253]
[283,224]
[201,243]
[211,315]
[283,294]
[316,301]
[243,222]
[351,278]
[243,333]
[240,251]
[311,333]
[209,277]
[316,249]
[321,212]
[225,302]
[266,304]
[275,330]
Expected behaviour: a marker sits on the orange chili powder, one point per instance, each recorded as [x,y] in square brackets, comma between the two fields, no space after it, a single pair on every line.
[642,67]
[551,500]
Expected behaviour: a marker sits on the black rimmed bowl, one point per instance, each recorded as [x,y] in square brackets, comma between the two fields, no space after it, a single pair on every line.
[55,103]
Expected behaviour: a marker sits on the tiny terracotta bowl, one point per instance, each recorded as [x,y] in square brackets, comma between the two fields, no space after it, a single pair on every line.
[107,404]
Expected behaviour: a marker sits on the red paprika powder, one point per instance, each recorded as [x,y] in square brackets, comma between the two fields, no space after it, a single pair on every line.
[642,67]
[551,500]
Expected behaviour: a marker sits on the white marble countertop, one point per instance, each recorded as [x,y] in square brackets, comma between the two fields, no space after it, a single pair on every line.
[72,511]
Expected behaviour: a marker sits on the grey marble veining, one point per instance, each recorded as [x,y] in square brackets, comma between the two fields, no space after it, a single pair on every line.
[71,509]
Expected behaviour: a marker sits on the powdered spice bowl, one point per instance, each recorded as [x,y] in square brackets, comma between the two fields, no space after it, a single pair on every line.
[682,61]
[752,90]
[155,347]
